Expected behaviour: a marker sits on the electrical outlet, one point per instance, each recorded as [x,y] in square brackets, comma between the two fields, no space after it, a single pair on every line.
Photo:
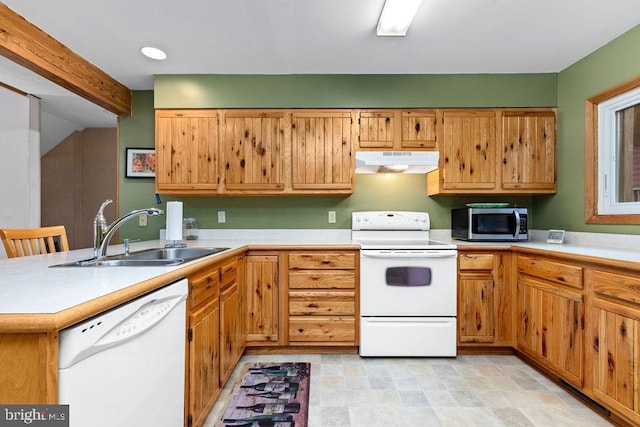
[332,217]
[142,220]
[222,217]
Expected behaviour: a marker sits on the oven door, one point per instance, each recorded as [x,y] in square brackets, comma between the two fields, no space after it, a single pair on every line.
[408,282]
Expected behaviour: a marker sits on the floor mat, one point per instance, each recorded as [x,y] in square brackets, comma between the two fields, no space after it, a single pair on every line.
[270,395]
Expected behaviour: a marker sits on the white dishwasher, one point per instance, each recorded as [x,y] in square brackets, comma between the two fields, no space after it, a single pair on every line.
[125,367]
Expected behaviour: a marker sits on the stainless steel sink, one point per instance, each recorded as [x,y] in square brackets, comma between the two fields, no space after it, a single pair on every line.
[182,254]
[147,258]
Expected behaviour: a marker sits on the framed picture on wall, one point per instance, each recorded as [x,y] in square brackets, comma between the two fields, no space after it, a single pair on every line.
[141,163]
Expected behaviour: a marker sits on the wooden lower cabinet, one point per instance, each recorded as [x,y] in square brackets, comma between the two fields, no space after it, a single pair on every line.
[322,298]
[29,368]
[204,360]
[262,298]
[485,313]
[232,319]
[614,342]
[203,378]
[551,310]
[216,335]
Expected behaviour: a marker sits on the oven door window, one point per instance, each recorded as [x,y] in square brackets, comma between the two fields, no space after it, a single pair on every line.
[408,276]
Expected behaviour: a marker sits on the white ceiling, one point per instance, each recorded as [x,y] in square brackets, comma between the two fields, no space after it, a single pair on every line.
[318,37]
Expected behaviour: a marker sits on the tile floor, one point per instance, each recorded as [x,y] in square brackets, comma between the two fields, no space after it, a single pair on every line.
[350,391]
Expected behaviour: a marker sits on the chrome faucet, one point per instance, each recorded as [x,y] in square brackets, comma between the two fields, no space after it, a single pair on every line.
[102,233]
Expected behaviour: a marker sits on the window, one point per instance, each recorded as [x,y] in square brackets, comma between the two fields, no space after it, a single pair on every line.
[612,170]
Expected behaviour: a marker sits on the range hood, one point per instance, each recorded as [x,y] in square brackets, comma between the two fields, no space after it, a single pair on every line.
[396,161]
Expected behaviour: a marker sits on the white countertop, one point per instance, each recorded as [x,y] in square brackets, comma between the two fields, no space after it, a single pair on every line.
[609,246]
[29,285]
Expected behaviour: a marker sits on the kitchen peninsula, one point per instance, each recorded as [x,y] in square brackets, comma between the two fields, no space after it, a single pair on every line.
[37,301]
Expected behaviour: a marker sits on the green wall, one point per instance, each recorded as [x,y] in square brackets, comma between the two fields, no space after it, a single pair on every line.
[608,66]
[370,90]
[372,192]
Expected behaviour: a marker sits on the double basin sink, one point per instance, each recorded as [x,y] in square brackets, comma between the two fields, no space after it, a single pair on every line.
[147,258]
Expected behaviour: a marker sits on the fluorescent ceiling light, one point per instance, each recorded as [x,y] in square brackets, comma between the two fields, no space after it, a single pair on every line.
[396,17]
[153,53]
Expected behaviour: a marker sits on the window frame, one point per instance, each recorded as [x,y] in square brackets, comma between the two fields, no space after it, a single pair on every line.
[593,215]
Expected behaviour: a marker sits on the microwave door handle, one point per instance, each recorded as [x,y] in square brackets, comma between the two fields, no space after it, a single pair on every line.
[517,230]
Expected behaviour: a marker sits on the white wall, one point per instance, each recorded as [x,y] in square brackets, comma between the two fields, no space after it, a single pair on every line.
[56,129]
[19,161]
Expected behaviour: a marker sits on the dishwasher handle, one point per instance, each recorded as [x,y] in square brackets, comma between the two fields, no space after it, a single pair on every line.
[409,253]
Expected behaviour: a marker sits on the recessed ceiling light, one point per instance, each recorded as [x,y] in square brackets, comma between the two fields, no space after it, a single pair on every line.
[396,17]
[153,53]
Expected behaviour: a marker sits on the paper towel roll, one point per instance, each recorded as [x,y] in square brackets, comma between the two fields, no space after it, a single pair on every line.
[174,221]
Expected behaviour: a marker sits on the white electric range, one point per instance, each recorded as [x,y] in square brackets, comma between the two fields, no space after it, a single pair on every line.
[407,286]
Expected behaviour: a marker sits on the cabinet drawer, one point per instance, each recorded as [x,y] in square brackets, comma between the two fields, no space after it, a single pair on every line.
[476,261]
[331,279]
[323,260]
[617,286]
[203,287]
[321,303]
[322,329]
[554,271]
[228,273]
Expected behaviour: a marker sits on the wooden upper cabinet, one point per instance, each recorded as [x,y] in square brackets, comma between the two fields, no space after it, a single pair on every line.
[468,151]
[397,129]
[310,151]
[321,151]
[418,129]
[529,151]
[496,151]
[377,129]
[186,151]
[252,150]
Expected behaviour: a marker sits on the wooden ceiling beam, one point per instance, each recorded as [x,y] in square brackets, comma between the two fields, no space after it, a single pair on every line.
[32,48]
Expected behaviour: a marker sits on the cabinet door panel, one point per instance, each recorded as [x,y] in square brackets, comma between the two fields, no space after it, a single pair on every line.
[475,310]
[418,129]
[469,148]
[186,150]
[321,144]
[377,129]
[253,150]
[230,334]
[204,359]
[552,327]
[529,150]
[615,346]
[262,298]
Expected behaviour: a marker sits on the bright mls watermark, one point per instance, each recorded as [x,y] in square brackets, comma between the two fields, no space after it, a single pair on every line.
[34,415]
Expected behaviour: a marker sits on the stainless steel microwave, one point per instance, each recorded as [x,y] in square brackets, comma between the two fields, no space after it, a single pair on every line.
[490,224]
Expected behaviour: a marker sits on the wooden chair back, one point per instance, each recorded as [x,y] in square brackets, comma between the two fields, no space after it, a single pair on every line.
[34,241]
